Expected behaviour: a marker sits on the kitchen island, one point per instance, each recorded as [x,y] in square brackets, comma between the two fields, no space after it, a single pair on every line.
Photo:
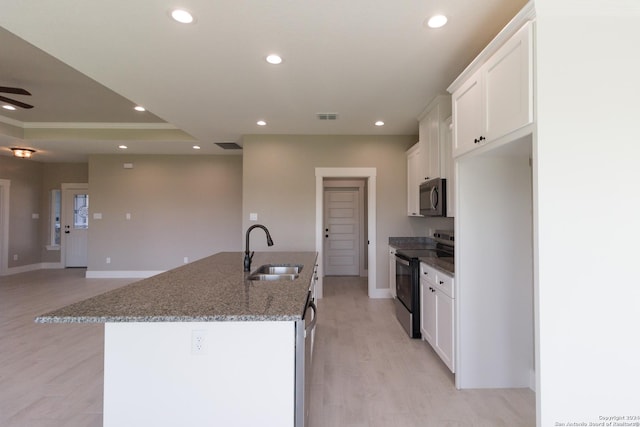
[202,344]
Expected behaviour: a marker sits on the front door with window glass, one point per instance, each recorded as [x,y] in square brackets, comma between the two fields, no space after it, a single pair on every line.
[75,226]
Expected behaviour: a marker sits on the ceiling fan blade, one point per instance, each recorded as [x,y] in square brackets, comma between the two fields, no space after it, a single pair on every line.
[16,90]
[14,102]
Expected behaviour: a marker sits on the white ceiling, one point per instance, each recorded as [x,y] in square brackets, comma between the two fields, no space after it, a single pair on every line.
[88,63]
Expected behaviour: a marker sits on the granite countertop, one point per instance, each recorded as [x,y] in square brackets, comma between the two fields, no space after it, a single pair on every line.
[445,264]
[211,289]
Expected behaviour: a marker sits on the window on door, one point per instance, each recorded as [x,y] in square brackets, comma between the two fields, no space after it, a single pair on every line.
[54,220]
[81,211]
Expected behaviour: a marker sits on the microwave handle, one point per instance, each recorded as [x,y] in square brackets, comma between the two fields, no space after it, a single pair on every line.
[434,197]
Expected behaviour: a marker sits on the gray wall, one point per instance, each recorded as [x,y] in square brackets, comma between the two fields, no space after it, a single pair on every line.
[180,206]
[31,183]
[279,185]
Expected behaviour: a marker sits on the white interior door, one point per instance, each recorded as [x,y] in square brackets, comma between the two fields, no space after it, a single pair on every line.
[75,225]
[342,232]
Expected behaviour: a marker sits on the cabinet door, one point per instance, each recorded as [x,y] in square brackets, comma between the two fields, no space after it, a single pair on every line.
[433,143]
[413,181]
[447,166]
[508,86]
[467,115]
[428,312]
[445,328]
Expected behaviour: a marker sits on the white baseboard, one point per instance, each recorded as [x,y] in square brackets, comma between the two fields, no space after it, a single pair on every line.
[52,265]
[380,294]
[32,267]
[124,274]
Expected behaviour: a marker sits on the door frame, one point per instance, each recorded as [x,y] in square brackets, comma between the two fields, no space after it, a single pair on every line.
[5,185]
[64,199]
[370,175]
[356,185]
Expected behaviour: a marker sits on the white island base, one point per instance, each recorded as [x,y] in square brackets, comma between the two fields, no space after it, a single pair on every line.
[154,374]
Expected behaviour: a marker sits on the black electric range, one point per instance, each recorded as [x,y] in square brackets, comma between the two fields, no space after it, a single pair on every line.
[408,282]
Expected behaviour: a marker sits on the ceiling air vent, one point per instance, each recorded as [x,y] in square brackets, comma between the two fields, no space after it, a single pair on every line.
[327,116]
[228,145]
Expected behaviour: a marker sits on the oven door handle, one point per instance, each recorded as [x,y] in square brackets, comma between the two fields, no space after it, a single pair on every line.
[402,261]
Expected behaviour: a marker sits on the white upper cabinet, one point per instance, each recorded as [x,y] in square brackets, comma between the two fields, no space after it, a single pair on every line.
[432,129]
[447,167]
[414,178]
[498,98]
[467,115]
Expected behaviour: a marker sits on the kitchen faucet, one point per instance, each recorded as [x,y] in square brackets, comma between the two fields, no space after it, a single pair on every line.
[249,255]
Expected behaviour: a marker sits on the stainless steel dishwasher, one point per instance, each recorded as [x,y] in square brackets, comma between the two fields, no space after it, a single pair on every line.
[304,360]
[305,331]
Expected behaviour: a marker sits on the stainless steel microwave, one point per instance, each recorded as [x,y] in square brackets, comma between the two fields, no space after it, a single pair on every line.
[433,197]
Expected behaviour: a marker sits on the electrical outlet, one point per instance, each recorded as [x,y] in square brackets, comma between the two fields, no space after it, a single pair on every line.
[15,257]
[108,260]
[198,342]
[186,260]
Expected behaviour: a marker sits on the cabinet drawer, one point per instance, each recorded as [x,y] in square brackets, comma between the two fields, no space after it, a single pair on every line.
[444,282]
[428,273]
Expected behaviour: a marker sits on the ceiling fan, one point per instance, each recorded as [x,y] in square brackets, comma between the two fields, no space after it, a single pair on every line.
[16,91]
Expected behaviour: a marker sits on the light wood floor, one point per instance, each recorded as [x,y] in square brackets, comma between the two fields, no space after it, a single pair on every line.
[367,372]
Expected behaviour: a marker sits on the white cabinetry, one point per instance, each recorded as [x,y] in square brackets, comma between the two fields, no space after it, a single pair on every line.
[437,312]
[498,98]
[432,129]
[392,271]
[448,166]
[414,178]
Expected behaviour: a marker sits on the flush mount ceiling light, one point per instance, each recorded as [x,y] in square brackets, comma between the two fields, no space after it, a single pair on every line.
[139,108]
[379,123]
[261,123]
[9,107]
[182,16]
[437,21]
[274,59]
[23,153]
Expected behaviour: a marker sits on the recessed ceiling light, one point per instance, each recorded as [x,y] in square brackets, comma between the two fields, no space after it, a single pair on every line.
[196,147]
[274,59]
[261,123]
[139,108]
[9,107]
[182,16]
[122,147]
[379,123]
[437,21]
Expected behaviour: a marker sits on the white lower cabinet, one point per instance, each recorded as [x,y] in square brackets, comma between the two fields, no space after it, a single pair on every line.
[437,313]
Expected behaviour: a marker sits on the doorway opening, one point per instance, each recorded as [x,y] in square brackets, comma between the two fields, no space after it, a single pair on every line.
[368,175]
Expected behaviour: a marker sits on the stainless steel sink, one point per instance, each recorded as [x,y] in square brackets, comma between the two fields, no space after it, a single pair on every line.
[276,272]
[256,276]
